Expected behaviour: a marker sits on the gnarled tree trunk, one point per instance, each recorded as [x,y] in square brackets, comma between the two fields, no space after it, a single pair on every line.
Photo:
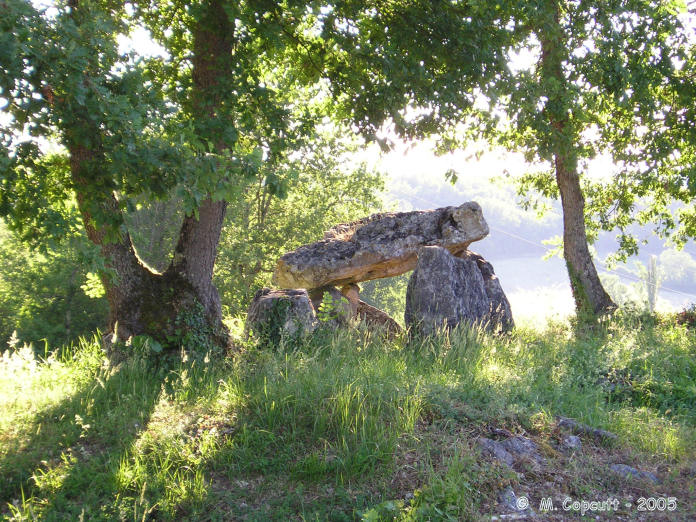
[142,301]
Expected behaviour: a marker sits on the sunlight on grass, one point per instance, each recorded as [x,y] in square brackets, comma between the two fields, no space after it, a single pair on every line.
[29,385]
[50,479]
[338,412]
[648,431]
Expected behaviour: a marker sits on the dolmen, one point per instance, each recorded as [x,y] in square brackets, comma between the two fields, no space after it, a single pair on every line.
[449,285]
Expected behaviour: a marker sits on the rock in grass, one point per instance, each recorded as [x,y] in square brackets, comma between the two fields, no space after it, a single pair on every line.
[445,291]
[277,314]
[572,442]
[583,429]
[512,503]
[382,245]
[496,450]
[376,318]
[630,472]
[511,449]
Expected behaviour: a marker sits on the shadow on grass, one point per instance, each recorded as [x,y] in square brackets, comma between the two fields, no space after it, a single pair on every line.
[462,380]
[75,445]
[312,432]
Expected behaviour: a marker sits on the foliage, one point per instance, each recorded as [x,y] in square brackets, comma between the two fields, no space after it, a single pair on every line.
[193,333]
[591,60]
[672,266]
[625,92]
[62,79]
[195,124]
[388,295]
[688,316]
[655,142]
[415,63]
[328,308]
[253,100]
[594,59]
[43,294]
[153,227]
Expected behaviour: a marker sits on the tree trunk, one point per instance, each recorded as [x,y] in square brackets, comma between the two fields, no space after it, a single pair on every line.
[194,256]
[195,252]
[127,273]
[588,292]
[590,297]
[142,301]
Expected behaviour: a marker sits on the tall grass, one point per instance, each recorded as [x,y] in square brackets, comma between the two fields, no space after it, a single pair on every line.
[316,430]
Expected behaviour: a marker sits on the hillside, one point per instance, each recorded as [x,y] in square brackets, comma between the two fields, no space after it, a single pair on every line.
[348,426]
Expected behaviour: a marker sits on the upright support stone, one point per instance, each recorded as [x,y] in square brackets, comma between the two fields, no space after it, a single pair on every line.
[352,293]
[445,291]
[500,311]
[277,314]
[340,313]
[375,317]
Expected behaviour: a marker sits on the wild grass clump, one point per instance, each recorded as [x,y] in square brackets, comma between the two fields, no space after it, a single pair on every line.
[341,425]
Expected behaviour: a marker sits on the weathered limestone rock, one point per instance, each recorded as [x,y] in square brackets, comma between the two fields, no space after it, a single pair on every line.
[352,293]
[281,313]
[445,291]
[382,245]
[500,312]
[630,472]
[583,429]
[571,443]
[377,318]
[511,450]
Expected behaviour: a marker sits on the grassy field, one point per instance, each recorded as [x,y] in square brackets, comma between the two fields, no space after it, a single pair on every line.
[349,426]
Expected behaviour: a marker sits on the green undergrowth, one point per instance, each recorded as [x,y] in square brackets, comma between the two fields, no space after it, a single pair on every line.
[342,426]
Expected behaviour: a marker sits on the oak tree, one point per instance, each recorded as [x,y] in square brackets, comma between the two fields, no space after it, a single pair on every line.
[187,123]
[599,66]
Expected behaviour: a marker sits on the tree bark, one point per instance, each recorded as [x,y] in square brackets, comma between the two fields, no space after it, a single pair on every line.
[588,292]
[590,297]
[142,301]
[126,280]
[194,256]
[195,252]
